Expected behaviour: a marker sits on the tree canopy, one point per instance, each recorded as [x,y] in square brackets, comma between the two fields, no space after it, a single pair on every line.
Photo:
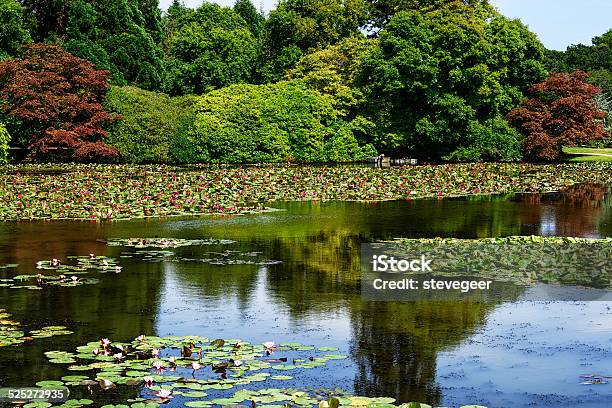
[441,81]
[559,112]
[52,101]
[13,33]
[209,48]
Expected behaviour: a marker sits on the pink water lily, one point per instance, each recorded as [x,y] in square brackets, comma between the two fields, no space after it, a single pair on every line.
[118,356]
[270,347]
[148,381]
[196,365]
[96,352]
[105,343]
[159,366]
[164,394]
[155,352]
[141,338]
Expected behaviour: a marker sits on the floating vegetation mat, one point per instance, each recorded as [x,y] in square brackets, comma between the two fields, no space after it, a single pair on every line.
[521,260]
[165,243]
[158,249]
[109,192]
[64,274]
[11,333]
[197,372]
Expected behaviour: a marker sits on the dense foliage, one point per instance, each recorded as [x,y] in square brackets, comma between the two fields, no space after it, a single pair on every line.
[154,126]
[52,101]
[5,138]
[441,81]
[272,123]
[297,26]
[209,48]
[596,59]
[432,79]
[559,112]
[13,34]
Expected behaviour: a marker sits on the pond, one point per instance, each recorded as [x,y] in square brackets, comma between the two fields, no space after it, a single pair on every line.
[294,275]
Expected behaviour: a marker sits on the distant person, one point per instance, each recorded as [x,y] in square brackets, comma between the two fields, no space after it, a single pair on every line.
[379,160]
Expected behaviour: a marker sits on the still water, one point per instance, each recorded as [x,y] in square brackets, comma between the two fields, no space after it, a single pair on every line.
[508,353]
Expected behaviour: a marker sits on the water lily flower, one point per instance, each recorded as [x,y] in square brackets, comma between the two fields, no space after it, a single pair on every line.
[164,394]
[105,343]
[62,277]
[118,356]
[159,366]
[148,381]
[141,338]
[196,365]
[270,347]
[55,262]
[117,269]
[237,363]
[155,352]
[96,352]
[74,279]
[92,256]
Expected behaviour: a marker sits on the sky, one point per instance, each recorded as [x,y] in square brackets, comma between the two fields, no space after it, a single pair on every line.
[558,23]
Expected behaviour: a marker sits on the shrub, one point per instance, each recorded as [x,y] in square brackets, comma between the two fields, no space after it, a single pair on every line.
[154,125]
[271,123]
[5,139]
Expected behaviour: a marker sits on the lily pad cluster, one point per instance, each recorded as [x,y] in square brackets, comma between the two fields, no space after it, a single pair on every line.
[12,334]
[10,331]
[158,249]
[522,260]
[200,372]
[106,192]
[64,274]
[165,243]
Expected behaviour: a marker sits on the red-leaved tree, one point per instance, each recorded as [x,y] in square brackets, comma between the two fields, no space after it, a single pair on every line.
[558,112]
[55,99]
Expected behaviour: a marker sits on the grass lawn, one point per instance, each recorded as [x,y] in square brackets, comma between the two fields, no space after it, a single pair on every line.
[588,154]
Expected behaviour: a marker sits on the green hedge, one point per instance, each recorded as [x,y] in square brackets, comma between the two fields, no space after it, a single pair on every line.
[154,125]
[272,123]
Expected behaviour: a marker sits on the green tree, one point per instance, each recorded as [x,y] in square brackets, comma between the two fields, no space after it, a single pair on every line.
[380,12]
[120,37]
[210,48]
[306,24]
[255,20]
[47,17]
[12,32]
[441,81]
[272,123]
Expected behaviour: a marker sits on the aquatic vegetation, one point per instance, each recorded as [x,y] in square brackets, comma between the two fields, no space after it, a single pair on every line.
[199,372]
[164,243]
[11,333]
[68,272]
[161,253]
[521,260]
[104,192]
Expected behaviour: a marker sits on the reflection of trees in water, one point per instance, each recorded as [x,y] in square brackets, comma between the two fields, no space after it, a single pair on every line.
[580,210]
[395,345]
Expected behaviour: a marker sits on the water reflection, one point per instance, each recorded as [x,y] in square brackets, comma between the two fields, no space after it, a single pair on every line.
[313,296]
